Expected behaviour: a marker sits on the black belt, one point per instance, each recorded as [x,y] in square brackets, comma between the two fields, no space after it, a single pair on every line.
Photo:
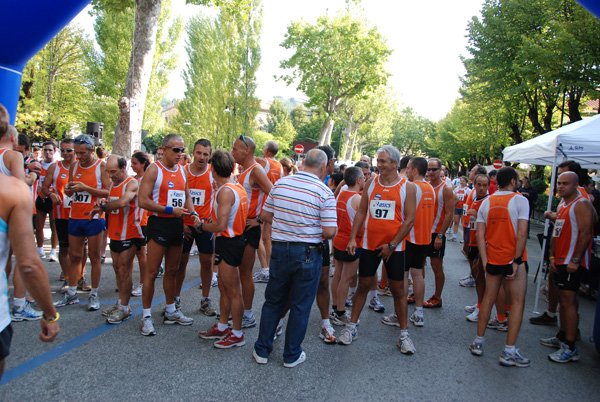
[316,246]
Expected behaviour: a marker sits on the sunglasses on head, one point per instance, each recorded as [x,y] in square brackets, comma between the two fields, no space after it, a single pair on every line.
[67,150]
[241,137]
[433,169]
[177,149]
[82,141]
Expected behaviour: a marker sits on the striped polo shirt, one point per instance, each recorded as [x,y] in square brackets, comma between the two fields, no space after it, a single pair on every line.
[301,205]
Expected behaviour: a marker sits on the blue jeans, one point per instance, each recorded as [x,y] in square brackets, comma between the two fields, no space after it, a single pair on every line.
[294,275]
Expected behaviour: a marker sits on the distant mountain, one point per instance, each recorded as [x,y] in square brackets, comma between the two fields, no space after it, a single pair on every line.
[290,103]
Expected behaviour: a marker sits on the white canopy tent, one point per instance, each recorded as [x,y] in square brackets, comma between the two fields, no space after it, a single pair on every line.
[579,141]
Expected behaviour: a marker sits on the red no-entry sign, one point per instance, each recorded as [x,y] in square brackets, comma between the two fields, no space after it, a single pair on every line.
[299,148]
[497,164]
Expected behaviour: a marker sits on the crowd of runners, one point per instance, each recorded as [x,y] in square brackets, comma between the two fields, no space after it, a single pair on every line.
[305,223]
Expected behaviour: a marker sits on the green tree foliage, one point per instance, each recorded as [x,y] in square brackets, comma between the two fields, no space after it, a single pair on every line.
[279,124]
[53,93]
[410,132]
[336,59]
[299,116]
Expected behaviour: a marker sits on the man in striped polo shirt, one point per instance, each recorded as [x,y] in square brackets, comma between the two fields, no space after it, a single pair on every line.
[301,210]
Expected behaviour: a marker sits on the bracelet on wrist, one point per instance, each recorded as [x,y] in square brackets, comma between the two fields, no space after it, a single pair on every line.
[551,257]
[53,319]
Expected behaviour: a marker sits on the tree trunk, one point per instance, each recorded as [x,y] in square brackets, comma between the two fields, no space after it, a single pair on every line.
[138,76]
[351,145]
[325,135]
[516,133]
[534,118]
[574,103]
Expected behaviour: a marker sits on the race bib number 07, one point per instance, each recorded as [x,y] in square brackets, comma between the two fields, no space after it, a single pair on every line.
[175,198]
[82,197]
[383,209]
[197,197]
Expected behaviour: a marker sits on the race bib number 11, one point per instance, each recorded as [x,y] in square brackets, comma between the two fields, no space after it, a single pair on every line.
[383,209]
[197,197]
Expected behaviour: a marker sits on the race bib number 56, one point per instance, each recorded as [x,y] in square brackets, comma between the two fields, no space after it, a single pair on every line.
[383,209]
[176,198]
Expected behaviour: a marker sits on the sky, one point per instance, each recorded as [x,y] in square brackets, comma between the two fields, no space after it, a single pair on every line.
[427,38]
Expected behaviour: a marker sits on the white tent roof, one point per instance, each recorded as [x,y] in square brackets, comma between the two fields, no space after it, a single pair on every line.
[579,141]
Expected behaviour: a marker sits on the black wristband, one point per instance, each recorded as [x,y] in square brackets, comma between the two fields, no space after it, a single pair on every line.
[519,260]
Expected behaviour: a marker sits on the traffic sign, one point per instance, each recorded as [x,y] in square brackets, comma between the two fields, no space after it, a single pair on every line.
[299,148]
[497,164]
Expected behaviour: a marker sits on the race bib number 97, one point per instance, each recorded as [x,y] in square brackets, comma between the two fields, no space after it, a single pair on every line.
[175,198]
[82,198]
[383,209]
[197,197]
[461,197]
[558,227]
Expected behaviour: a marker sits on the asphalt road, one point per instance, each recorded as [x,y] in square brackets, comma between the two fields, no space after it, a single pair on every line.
[94,361]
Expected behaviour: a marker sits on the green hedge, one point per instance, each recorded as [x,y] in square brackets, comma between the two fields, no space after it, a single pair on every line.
[541,204]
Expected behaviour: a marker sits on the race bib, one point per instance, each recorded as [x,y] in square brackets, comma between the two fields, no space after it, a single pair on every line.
[82,197]
[114,211]
[383,209]
[465,210]
[67,201]
[472,223]
[175,198]
[197,197]
[558,227]
[461,197]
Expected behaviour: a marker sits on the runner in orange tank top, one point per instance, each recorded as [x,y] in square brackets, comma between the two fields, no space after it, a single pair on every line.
[501,235]
[569,260]
[164,193]
[442,218]
[419,237]
[257,186]
[124,231]
[88,181]
[387,210]
[461,192]
[200,184]
[229,215]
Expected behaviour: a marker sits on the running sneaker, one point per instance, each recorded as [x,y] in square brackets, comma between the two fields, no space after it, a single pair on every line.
[348,335]
[417,320]
[410,282]
[342,320]
[62,276]
[406,345]
[214,282]
[93,303]
[52,257]
[194,250]
[206,308]
[82,284]
[350,299]
[278,330]
[161,271]
[65,286]
[102,259]
[327,334]
[564,354]
[248,322]
[293,364]
[476,348]
[553,342]
[376,305]
[42,254]
[391,320]
[494,323]
[411,298]
[177,317]
[258,359]
[515,360]
[451,237]
[27,313]
[467,283]
[107,312]
[433,302]
[137,291]
[66,300]
[230,341]
[261,276]
[118,316]
[385,291]
[213,333]
[331,271]
[474,316]
[470,309]
[147,327]
[544,319]
[177,304]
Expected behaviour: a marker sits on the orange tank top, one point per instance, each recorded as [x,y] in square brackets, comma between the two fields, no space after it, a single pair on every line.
[385,214]
[466,206]
[345,219]
[143,214]
[40,183]
[169,188]
[82,202]
[472,220]
[124,223]
[273,170]
[59,181]
[462,194]
[439,212]
[236,223]
[566,234]
[500,233]
[200,188]
[421,232]
[256,198]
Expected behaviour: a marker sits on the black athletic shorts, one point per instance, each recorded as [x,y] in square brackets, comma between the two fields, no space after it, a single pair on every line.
[252,236]
[44,205]
[230,250]
[204,240]
[369,262]
[62,231]
[458,211]
[344,256]
[118,246]
[473,253]
[145,234]
[326,252]
[416,254]
[165,231]
[566,281]
[432,252]
[504,270]
[5,339]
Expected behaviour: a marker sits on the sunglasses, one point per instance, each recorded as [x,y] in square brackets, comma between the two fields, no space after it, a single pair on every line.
[433,169]
[177,149]
[67,150]
[83,141]
[241,137]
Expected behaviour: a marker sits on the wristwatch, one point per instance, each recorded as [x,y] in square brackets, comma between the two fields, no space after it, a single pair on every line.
[518,260]
[258,219]
[194,213]
[391,246]
[575,260]
[440,236]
